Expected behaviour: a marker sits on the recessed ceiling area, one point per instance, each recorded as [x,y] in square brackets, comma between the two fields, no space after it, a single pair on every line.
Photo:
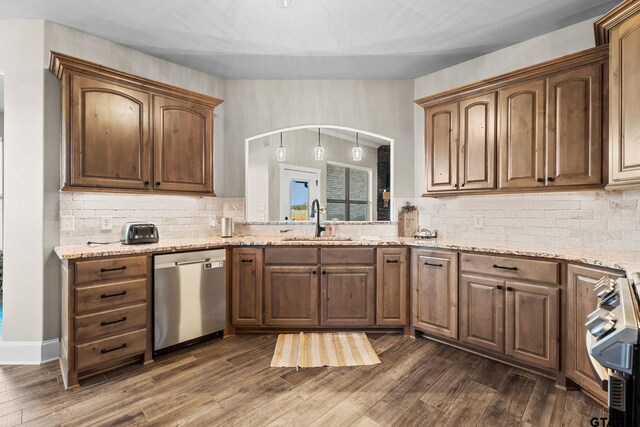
[314,39]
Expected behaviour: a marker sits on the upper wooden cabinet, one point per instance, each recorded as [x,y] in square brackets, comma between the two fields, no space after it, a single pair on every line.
[461,144]
[620,28]
[547,125]
[127,133]
[183,136]
[522,155]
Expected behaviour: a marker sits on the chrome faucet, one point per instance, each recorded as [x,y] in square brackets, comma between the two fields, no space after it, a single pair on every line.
[315,212]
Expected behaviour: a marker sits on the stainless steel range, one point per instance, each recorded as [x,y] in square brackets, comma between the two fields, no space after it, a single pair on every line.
[613,340]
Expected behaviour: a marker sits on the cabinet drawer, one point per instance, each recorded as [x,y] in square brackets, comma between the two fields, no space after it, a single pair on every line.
[517,268]
[110,269]
[344,256]
[291,256]
[104,297]
[108,349]
[94,326]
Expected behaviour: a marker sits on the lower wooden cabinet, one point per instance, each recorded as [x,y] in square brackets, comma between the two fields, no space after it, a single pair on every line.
[435,292]
[291,296]
[246,288]
[531,324]
[482,312]
[348,296]
[581,300]
[391,286]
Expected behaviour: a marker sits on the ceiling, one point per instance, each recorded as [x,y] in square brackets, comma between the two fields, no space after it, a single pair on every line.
[325,39]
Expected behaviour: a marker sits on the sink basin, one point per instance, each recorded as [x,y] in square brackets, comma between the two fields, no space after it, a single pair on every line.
[317,239]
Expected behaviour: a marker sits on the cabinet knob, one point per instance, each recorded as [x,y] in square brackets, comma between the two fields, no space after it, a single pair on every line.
[314,272]
[324,272]
[146,183]
[499,287]
[551,179]
[509,289]
[157,183]
[462,185]
[540,179]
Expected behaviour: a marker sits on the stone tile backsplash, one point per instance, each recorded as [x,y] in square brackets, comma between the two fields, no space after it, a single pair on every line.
[176,216]
[600,220]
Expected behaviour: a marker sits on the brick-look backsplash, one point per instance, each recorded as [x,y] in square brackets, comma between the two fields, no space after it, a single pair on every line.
[599,220]
[176,216]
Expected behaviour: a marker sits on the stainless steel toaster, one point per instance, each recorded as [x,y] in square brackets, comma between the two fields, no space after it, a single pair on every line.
[139,232]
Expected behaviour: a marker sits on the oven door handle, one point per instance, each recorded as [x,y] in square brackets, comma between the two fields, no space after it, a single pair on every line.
[601,372]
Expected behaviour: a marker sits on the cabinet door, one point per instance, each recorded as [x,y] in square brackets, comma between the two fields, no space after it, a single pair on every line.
[435,292]
[482,312]
[291,296]
[531,324]
[348,296]
[109,135]
[521,149]
[183,145]
[477,148]
[246,289]
[391,287]
[624,102]
[582,301]
[574,109]
[441,138]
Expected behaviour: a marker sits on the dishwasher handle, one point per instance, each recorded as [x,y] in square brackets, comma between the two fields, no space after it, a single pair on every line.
[200,261]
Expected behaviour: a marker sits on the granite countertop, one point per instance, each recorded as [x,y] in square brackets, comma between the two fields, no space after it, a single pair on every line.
[626,261]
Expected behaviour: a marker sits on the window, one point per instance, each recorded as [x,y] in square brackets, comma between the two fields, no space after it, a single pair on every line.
[299,200]
[347,193]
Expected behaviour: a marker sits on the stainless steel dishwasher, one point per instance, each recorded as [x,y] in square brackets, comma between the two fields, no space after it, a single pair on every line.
[189,297]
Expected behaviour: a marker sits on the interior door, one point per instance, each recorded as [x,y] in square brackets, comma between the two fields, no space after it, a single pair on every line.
[299,186]
[521,115]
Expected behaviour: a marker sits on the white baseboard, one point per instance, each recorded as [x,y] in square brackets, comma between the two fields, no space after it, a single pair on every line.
[29,352]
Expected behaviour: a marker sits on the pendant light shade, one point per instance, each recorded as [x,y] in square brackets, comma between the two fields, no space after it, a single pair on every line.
[281,152]
[318,151]
[357,151]
[286,3]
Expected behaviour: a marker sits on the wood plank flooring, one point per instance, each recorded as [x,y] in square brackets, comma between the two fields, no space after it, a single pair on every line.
[229,382]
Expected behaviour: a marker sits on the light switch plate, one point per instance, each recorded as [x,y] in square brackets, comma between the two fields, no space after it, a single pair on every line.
[67,223]
[106,223]
[213,220]
[478,221]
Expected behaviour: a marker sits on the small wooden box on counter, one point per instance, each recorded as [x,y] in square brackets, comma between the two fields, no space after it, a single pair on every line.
[407,223]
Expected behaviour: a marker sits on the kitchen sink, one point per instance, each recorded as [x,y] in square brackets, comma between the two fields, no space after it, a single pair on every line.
[317,239]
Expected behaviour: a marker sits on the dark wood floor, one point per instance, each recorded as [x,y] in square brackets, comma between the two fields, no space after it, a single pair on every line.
[229,382]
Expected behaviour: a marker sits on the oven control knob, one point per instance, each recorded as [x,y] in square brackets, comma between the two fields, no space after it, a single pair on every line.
[600,325]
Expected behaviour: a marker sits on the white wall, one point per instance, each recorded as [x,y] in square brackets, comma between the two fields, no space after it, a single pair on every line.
[384,107]
[539,49]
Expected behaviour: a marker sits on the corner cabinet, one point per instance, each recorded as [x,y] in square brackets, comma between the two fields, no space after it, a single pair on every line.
[461,144]
[543,130]
[127,133]
[620,28]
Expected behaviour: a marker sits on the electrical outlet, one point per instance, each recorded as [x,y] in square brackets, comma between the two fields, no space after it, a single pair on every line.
[478,221]
[213,221]
[106,223]
[67,223]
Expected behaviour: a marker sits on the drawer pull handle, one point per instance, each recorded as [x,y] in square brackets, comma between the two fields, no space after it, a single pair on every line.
[105,270]
[119,294]
[109,350]
[247,260]
[394,261]
[505,268]
[432,265]
[104,323]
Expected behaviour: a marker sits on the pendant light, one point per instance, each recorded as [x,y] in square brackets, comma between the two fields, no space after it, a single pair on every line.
[286,3]
[357,151]
[281,152]
[318,152]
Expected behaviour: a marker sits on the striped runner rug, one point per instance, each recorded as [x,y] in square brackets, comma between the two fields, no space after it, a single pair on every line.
[323,349]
